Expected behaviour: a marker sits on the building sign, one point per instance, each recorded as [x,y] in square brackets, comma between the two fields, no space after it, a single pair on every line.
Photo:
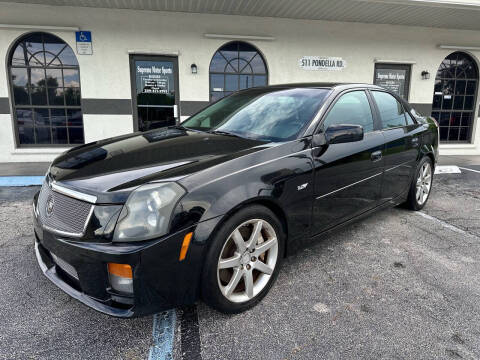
[154,87]
[321,63]
[154,79]
[393,77]
[393,80]
[154,84]
[84,42]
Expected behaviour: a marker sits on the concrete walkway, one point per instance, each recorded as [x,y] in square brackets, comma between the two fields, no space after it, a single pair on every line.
[460,160]
[23,169]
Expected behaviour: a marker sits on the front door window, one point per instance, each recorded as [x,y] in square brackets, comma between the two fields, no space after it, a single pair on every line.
[155,91]
[352,108]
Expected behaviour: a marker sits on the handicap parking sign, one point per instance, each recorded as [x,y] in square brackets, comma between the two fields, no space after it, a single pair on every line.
[84,42]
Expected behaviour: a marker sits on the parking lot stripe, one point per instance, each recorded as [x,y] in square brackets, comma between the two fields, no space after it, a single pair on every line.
[476,171]
[443,223]
[21,180]
[163,334]
[190,334]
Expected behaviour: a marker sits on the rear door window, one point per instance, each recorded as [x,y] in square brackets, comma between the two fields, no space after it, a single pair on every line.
[391,111]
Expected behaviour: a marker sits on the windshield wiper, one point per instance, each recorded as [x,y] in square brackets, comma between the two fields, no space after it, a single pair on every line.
[181,127]
[226,133]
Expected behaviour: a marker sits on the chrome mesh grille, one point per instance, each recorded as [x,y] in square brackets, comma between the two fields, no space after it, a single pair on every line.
[68,215]
[65,266]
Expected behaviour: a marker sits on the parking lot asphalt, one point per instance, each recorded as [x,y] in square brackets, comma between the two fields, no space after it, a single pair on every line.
[397,284]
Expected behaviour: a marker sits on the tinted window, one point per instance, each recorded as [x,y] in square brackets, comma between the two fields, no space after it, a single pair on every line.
[352,108]
[391,111]
[263,114]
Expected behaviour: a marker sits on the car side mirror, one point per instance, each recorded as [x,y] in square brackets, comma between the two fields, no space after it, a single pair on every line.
[343,133]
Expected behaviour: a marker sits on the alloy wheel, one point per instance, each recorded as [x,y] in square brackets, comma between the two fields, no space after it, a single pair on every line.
[424,183]
[247,260]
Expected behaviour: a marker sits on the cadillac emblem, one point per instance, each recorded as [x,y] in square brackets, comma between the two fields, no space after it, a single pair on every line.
[49,207]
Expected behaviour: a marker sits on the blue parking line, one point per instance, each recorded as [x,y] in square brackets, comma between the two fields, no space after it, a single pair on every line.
[21,180]
[163,334]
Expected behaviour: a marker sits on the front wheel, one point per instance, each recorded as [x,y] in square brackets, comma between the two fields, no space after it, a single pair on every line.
[421,185]
[243,260]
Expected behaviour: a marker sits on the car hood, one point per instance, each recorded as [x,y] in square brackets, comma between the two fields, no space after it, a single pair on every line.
[122,163]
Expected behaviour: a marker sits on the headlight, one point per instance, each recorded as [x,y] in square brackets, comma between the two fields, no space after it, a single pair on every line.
[147,212]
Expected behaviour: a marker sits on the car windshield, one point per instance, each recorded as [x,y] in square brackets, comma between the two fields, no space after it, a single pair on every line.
[270,114]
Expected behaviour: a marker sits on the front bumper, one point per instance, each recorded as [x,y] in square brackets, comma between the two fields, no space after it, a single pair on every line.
[160,280]
[51,273]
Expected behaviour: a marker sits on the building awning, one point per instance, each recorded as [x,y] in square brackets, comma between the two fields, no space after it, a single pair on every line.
[450,14]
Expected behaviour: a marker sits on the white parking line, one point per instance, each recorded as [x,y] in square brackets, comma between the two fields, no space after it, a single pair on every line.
[443,223]
[447,169]
[475,171]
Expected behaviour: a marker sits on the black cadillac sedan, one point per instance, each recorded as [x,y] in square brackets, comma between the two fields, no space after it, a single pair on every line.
[147,221]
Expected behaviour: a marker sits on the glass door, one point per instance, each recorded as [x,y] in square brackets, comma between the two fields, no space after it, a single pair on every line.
[393,77]
[155,91]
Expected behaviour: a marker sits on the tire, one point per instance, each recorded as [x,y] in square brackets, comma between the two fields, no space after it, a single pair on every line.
[241,282]
[415,202]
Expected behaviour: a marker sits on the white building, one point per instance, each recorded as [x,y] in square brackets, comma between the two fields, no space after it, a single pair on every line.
[150,62]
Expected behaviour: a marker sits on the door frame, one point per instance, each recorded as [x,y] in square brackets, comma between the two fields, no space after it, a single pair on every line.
[386,65]
[133,82]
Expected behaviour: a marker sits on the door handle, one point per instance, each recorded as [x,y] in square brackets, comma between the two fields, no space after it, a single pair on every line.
[376,155]
[415,142]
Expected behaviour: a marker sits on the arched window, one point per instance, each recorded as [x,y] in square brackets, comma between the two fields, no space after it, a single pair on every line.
[45,87]
[235,66]
[454,98]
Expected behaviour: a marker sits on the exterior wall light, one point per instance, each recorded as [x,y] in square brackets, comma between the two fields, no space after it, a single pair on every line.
[425,75]
[194,68]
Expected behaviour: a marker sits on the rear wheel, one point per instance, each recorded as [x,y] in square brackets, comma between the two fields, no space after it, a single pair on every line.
[244,260]
[421,185]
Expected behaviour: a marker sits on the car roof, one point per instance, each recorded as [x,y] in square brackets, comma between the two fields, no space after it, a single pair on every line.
[335,86]
[331,85]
